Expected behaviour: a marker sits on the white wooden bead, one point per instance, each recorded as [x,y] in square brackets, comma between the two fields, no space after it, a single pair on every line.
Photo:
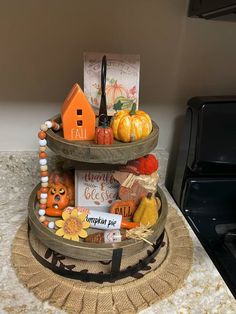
[42,212]
[51,225]
[44,127]
[44,179]
[42,148]
[43,142]
[42,218]
[43,161]
[43,195]
[44,184]
[48,124]
[44,168]
[43,201]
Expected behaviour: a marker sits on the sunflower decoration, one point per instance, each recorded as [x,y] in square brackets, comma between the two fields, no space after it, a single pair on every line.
[72,226]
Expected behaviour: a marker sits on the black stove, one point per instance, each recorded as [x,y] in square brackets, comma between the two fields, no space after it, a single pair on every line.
[210,209]
[205,180]
[229,237]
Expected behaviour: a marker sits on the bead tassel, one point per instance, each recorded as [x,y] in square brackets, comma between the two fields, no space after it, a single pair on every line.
[42,135]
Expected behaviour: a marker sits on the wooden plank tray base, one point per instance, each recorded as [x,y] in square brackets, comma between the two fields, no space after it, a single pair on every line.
[88,151]
[92,251]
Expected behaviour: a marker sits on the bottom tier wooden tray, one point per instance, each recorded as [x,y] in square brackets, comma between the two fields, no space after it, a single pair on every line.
[92,251]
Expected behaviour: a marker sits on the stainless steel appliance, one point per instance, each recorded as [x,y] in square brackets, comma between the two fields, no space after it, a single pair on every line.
[204,184]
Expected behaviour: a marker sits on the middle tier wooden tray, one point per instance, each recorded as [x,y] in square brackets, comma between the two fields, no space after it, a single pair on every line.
[92,251]
[88,151]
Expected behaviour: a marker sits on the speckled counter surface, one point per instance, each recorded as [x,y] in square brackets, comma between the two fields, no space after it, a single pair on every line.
[204,291]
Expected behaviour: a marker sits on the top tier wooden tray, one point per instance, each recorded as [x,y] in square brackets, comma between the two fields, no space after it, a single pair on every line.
[88,151]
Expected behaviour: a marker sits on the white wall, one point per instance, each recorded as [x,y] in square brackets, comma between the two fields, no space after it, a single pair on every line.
[42,44]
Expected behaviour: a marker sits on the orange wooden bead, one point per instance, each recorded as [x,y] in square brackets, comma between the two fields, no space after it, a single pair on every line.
[44,190]
[42,135]
[43,206]
[54,124]
[43,173]
[46,222]
[43,155]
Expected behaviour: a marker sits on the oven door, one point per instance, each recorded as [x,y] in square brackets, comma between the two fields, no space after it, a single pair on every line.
[209,205]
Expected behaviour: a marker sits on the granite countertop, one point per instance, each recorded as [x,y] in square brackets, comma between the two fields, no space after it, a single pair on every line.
[204,291]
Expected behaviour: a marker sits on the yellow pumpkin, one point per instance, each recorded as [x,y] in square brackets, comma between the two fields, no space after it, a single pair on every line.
[131,125]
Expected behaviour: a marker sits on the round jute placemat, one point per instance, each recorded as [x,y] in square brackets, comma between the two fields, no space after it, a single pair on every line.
[160,278]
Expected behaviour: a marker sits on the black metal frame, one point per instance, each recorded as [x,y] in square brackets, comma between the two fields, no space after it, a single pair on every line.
[115,273]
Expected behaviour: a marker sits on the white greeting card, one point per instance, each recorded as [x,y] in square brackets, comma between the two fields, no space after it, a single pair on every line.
[95,189]
[122,80]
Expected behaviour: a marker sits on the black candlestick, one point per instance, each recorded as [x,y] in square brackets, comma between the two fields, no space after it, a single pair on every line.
[103,104]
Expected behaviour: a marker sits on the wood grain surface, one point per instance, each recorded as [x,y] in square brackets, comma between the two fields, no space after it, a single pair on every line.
[88,151]
[92,251]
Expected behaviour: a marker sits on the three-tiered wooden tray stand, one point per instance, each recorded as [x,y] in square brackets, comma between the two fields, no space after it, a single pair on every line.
[88,155]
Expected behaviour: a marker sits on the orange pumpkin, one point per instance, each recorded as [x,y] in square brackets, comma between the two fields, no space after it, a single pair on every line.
[58,196]
[143,165]
[60,192]
[103,135]
[113,91]
[131,125]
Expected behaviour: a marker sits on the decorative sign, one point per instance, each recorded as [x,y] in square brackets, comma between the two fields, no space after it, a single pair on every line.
[122,80]
[95,190]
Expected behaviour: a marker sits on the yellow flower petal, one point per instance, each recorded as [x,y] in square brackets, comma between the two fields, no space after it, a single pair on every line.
[82,216]
[85,224]
[83,234]
[75,237]
[74,213]
[65,215]
[59,223]
[60,232]
[67,236]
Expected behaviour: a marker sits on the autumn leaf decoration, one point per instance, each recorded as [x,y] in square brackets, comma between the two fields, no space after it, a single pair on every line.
[123,103]
[57,259]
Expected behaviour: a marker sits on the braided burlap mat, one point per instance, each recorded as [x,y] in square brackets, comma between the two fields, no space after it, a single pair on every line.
[164,275]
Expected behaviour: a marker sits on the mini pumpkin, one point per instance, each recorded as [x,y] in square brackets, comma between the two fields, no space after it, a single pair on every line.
[131,125]
[60,192]
[143,165]
[58,196]
[147,164]
[104,134]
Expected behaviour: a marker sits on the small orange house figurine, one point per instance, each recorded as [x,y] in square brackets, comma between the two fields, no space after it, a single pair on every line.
[78,117]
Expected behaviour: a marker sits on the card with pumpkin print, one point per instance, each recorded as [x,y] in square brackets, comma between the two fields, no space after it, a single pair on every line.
[95,190]
[122,80]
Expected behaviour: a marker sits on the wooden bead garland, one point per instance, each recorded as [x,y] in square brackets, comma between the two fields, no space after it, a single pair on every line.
[42,135]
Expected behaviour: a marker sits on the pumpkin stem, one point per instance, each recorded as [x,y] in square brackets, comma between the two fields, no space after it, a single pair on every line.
[133,109]
[149,195]
[104,123]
